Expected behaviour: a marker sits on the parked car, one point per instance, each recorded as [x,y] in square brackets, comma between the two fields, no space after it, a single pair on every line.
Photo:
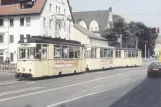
[154,69]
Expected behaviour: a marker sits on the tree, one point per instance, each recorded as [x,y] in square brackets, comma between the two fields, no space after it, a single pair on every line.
[132,33]
[120,26]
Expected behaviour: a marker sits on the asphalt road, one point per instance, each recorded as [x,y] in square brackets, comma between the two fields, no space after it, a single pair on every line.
[126,87]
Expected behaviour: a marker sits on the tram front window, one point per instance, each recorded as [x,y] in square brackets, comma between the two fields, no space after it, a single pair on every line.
[30,52]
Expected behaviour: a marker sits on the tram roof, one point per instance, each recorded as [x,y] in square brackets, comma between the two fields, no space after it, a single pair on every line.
[128,49]
[49,40]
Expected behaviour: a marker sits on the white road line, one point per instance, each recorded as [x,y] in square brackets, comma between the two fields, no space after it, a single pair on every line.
[48,90]
[10,82]
[19,91]
[98,86]
[120,85]
[104,98]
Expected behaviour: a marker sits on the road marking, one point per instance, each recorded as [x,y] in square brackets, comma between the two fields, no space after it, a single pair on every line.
[104,98]
[120,85]
[53,89]
[98,86]
[10,82]
[19,91]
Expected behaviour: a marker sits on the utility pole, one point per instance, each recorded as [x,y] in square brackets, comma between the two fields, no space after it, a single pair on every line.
[136,44]
[145,48]
[121,40]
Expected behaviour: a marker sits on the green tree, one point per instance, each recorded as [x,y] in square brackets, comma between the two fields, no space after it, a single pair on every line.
[132,33]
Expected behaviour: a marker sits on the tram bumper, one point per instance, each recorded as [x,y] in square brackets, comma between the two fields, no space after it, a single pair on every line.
[23,75]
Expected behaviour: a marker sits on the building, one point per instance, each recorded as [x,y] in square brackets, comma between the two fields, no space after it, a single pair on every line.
[157,47]
[24,18]
[95,21]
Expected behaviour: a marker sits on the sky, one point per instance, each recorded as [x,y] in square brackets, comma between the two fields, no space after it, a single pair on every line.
[146,11]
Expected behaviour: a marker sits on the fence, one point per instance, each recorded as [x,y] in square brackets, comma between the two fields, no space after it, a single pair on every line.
[8,67]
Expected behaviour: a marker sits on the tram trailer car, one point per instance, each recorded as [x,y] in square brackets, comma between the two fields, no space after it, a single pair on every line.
[43,56]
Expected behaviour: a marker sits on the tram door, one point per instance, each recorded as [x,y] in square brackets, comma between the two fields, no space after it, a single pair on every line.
[44,62]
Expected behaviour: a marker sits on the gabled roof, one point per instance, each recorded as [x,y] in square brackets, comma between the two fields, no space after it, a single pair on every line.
[88,33]
[100,16]
[16,10]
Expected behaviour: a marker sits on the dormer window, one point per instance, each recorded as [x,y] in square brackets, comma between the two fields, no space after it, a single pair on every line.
[27,3]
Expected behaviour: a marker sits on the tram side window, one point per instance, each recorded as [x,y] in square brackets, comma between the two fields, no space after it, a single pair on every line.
[105,53]
[93,53]
[71,52]
[57,51]
[44,51]
[129,54]
[32,53]
[137,54]
[126,54]
[88,53]
[133,54]
[111,53]
[77,52]
[38,51]
[119,54]
[65,52]
[101,53]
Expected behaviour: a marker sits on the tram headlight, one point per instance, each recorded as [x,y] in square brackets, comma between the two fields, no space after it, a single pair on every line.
[23,69]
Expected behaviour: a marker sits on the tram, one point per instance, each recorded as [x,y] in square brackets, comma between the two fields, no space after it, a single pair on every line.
[44,56]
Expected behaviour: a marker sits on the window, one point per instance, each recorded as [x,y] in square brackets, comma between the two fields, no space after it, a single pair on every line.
[44,51]
[28,36]
[88,54]
[71,52]
[91,28]
[11,22]
[64,11]
[21,37]
[57,51]
[105,53]
[50,23]
[77,52]
[95,28]
[101,53]
[1,57]
[1,38]
[38,51]
[11,39]
[56,9]
[133,54]
[93,53]
[28,21]
[11,57]
[126,54]
[32,53]
[65,53]
[137,54]
[21,21]
[50,7]
[129,54]
[118,54]
[44,21]
[1,22]
[111,53]
[59,9]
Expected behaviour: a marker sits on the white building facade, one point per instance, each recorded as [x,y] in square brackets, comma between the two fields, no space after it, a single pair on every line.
[54,20]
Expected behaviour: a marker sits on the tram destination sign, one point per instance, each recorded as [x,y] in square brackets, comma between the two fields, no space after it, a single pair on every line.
[106,61]
[66,63]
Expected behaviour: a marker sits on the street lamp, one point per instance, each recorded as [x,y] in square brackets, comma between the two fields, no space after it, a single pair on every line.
[145,47]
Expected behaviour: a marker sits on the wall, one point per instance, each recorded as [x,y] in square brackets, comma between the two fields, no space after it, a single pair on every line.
[16,31]
[79,36]
[66,30]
